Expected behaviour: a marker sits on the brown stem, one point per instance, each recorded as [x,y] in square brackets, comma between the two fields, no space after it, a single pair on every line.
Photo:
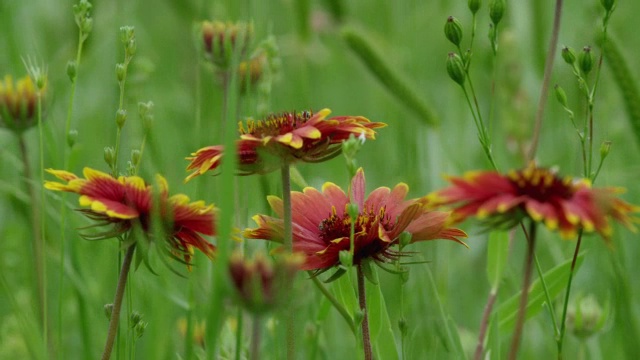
[288,244]
[484,324]
[551,55]
[522,310]
[117,303]
[362,299]
[256,335]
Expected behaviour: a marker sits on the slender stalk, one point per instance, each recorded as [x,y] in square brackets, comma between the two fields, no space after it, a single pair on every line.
[288,244]
[256,335]
[35,226]
[240,320]
[117,302]
[486,314]
[563,324]
[551,55]
[42,258]
[362,300]
[188,338]
[522,311]
[336,304]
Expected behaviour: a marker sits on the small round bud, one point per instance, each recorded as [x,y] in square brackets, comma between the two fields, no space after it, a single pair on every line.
[453,30]
[345,258]
[455,68]
[608,4]
[130,48]
[568,55]
[109,155]
[72,70]
[135,157]
[126,34]
[86,25]
[586,60]
[474,5]
[121,117]
[121,72]
[405,239]
[560,95]
[605,147]
[71,137]
[108,309]
[585,317]
[496,11]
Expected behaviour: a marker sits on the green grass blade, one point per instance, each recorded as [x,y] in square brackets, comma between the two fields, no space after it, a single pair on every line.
[497,253]
[384,345]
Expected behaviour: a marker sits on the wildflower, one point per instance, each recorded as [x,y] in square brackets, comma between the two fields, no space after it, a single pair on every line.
[261,283]
[18,103]
[250,72]
[287,137]
[539,194]
[126,201]
[321,223]
[220,40]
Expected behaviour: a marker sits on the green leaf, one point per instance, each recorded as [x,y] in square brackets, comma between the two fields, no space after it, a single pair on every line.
[556,280]
[381,332]
[497,252]
[346,294]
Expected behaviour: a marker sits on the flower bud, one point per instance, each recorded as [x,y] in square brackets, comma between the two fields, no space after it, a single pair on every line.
[455,68]
[474,5]
[135,318]
[405,239]
[130,48]
[121,72]
[221,40]
[353,210]
[453,30]
[121,118]
[608,4]
[351,146]
[568,55]
[109,155]
[605,147]
[126,34]
[71,137]
[72,70]
[496,11]
[586,60]
[585,317]
[560,95]
[345,257]
[108,309]
[135,157]
[86,25]
[140,328]
[18,103]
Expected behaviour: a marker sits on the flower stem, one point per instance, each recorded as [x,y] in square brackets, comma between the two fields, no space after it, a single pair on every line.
[336,304]
[485,323]
[362,299]
[256,335]
[240,320]
[288,244]
[551,55]
[117,302]
[560,338]
[522,311]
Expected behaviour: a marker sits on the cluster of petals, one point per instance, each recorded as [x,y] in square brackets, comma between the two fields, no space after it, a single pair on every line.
[322,225]
[561,203]
[18,103]
[128,200]
[285,138]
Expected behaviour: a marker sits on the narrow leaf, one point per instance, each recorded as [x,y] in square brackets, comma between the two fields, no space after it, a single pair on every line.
[382,338]
[497,252]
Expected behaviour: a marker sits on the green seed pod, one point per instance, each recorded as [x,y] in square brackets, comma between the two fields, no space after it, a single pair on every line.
[568,55]
[586,60]
[135,157]
[474,5]
[453,30]
[126,34]
[121,117]
[496,11]
[405,239]
[121,72]
[605,147]
[608,5]
[71,137]
[455,68]
[109,158]
[560,95]
[86,25]
[108,309]
[130,49]
[72,70]
[585,317]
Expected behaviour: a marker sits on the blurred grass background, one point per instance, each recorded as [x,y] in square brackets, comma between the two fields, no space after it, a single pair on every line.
[318,70]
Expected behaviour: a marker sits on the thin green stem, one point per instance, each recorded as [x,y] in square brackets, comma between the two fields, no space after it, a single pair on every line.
[188,338]
[43,258]
[544,91]
[239,325]
[117,302]
[288,245]
[336,304]
[362,300]
[522,310]
[563,322]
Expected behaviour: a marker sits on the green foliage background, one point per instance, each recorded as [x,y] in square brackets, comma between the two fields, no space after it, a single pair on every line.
[318,70]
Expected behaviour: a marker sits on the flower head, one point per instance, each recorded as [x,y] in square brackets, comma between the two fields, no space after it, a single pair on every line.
[261,283]
[126,201]
[538,193]
[18,103]
[221,39]
[287,137]
[322,225]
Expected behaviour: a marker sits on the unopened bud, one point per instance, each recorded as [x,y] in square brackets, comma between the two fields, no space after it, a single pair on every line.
[71,137]
[140,328]
[121,72]
[135,318]
[453,30]
[560,95]
[130,48]
[496,11]
[474,5]
[135,157]
[86,25]
[568,55]
[126,34]
[108,309]
[405,239]
[455,68]
[605,147]
[121,117]
[109,156]
[72,70]
[586,60]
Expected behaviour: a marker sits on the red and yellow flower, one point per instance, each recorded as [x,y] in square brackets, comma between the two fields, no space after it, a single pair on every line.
[126,201]
[286,137]
[539,194]
[322,225]
[18,103]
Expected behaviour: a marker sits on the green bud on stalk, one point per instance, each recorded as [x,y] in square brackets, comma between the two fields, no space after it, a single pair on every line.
[568,55]
[586,60]
[455,68]
[453,30]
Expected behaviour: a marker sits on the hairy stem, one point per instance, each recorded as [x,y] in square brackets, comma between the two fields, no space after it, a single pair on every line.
[362,300]
[117,302]
[486,314]
[522,310]
[551,55]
